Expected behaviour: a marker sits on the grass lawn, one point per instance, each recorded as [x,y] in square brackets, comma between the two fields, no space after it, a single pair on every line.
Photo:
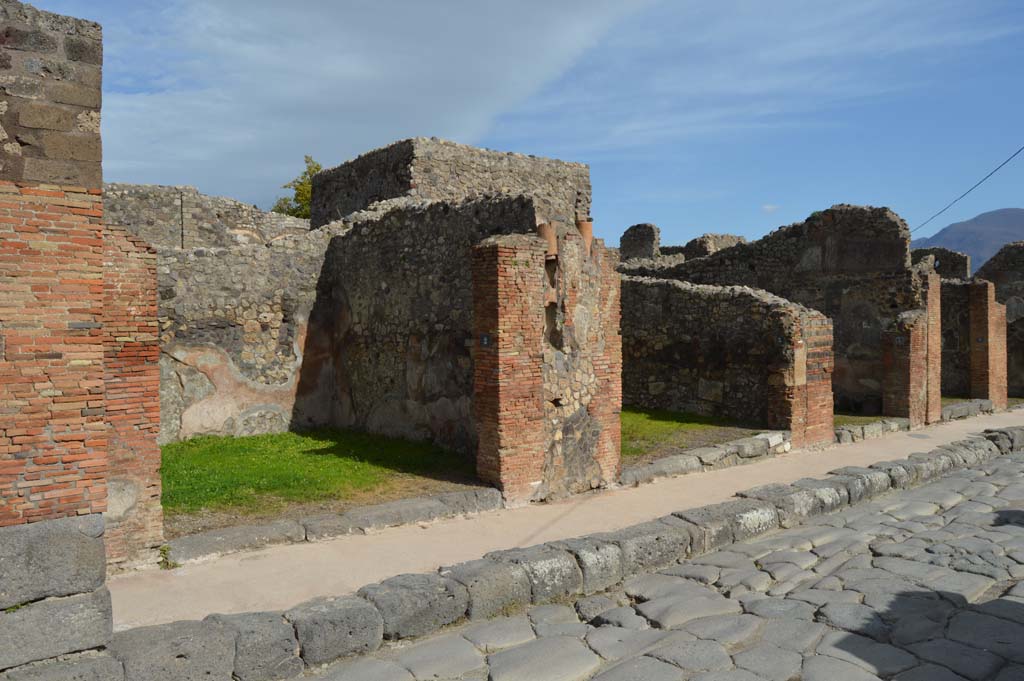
[1014,401]
[855,419]
[648,434]
[266,474]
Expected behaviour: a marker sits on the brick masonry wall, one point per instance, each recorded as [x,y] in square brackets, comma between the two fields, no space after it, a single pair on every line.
[988,345]
[851,263]
[734,352]
[508,330]
[547,366]
[912,352]
[956,338]
[132,378]
[439,170]
[1006,270]
[53,433]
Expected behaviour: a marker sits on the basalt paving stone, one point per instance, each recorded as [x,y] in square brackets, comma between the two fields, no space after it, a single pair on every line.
[446,657]
[890,589]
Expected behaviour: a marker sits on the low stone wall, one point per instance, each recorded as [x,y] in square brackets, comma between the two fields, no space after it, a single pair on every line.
[706,244]
[181,217]
[438,170]
[1006,271]
[280,645]
[727,351]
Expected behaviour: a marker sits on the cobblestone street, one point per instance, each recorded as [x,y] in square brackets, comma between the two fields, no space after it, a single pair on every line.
[919,585]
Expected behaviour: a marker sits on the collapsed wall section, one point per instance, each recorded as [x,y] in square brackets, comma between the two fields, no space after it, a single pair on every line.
[1006,271]
[439,170]
[53,432]
[732,352]
[850,263]
[181,217]
[948,264]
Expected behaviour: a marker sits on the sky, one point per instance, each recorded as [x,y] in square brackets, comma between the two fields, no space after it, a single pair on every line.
[728,116]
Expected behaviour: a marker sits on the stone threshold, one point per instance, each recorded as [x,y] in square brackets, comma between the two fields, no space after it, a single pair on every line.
[320,631]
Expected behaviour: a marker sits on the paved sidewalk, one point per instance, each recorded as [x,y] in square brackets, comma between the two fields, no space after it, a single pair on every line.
[279,577]
[920,585]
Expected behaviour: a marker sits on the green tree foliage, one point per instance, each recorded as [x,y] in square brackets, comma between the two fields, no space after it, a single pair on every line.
[297,205]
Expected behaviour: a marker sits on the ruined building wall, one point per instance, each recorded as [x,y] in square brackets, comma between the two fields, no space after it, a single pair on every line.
[232,332]
[547,363]
[949,264]
[956,338]
[850,263]
[640,241]
[181,217]
[706,244]
[388,349]
[733,352]
[53,434]
[439,170]
[131,360]
[1006,271]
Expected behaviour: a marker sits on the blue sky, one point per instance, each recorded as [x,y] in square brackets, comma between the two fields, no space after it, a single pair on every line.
[726,116]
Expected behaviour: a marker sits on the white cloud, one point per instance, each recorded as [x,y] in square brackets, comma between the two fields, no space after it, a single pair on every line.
[683,72]
[769,208]
[229,95]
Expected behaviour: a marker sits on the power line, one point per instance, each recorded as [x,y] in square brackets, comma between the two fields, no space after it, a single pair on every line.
[979,183]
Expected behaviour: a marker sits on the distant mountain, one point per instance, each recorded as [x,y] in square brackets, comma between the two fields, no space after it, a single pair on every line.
[981,236]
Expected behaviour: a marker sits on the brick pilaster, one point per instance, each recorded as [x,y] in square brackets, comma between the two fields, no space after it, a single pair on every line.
[987,344]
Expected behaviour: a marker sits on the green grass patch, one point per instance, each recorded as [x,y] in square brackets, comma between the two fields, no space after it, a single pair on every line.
[256,474]
[1014,401]
[950,399]
[644,431]
[855,419]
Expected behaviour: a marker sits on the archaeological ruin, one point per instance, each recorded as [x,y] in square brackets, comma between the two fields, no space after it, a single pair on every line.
[1006,272]
[727,351]
[853,265]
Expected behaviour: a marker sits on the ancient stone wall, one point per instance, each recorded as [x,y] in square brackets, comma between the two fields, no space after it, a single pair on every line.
[956,338]
[1006,270]
[388,348]
[727,351]
[232,331]
[181,217]
[949,264]
[706,244]
[53,433]
[131,360]
[640,241]
[850,263]
[439,170]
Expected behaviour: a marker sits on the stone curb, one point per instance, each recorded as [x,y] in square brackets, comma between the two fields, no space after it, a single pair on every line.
[214,543]
[271,645]
[968,409]
[700,459]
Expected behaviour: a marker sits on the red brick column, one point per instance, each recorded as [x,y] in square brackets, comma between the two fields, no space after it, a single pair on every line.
[933,359]
[988,344]
[606,406]
[132,376]
[52,432]
[819,424]
[905,358]
[508,337]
